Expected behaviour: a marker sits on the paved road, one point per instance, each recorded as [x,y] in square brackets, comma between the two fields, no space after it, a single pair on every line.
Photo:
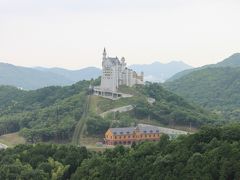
[3,146]
[119,109]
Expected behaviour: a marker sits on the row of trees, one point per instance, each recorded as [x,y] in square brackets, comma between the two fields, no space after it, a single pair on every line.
[212,153]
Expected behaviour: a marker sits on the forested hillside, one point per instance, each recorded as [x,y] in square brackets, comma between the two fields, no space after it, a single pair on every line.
[168,110]
[215,88]
[51,113]
[212,153]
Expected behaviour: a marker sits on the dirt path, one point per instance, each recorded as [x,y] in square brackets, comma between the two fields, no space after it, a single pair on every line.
[79,130]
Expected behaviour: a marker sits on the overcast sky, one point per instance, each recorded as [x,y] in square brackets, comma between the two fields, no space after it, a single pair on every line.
[73,33]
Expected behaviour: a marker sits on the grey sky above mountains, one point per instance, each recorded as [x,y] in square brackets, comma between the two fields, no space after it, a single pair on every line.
[72,34]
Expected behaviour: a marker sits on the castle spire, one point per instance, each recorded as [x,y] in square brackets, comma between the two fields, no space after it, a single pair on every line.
[104,54]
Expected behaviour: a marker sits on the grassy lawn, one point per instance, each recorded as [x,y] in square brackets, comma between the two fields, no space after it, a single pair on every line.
[12,139]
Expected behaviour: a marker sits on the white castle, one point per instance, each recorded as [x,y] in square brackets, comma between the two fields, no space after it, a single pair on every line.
[114,74]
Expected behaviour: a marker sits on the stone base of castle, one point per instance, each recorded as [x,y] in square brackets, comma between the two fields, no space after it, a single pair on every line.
[109,94]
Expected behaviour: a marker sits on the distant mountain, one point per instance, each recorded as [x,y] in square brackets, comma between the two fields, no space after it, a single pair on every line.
[34,78]
[28,78]
[74,75]
[215,87]
[232,61]
[159,72]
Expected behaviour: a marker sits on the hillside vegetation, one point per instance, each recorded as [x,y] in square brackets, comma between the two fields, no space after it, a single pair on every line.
[211,153]
[168,110]
[215,88]
[45,114]
[52,113]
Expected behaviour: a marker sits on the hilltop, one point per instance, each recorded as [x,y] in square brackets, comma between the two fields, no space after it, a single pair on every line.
[232,61]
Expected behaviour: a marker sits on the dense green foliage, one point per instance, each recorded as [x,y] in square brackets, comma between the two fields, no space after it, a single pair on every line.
[170,108]
[213,88]
[41,161]
[45,114]
[52,113]
[212,153]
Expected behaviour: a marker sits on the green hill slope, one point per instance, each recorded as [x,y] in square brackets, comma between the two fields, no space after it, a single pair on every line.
[232,61]
[168,110]
[214,88]
[52,113]
[45,114]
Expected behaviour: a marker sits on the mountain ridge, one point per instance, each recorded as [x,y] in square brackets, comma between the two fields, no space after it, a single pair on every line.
[231,61]
[38,77]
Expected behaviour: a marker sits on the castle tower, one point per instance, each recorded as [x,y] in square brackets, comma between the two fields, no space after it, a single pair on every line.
[104,54]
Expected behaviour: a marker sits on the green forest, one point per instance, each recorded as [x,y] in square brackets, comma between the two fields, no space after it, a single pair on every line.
[216,89]
[211,153]
[51,113]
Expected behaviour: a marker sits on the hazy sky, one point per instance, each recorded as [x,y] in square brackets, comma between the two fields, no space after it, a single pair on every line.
[73,33]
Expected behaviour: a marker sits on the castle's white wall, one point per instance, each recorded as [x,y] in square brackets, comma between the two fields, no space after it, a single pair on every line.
[115,73]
